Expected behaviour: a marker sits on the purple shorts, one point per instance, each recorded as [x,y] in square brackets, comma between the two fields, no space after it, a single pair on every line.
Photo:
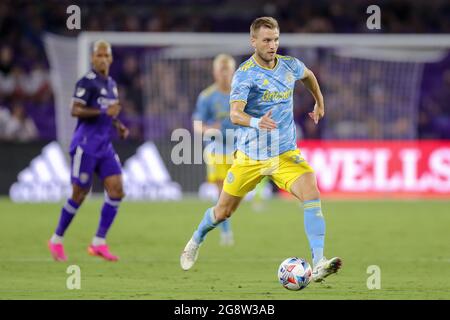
[84,165]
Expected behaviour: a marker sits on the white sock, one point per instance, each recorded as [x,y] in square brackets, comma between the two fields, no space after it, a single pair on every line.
[55,239]
[98,241]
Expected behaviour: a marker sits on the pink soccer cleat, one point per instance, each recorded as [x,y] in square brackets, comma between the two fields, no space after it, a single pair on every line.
[102,251]
[57,251]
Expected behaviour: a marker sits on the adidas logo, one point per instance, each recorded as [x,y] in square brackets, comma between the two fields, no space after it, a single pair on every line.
[47,178]
[146,177]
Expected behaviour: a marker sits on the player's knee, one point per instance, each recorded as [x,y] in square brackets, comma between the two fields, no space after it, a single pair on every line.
[79,194]
[223,212]
[78,198]
[312,193]
[116,193]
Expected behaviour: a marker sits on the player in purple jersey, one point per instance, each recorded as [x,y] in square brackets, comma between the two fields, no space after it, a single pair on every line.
[96,105]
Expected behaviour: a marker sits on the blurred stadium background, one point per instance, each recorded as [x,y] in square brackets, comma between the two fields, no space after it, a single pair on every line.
[388,120]
[386,135]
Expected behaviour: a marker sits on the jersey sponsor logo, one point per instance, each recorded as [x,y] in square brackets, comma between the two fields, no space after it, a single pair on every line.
[277,95]
[80,92]
[105,102]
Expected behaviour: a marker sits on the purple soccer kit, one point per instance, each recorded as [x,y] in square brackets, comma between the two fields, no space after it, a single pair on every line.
[91,149]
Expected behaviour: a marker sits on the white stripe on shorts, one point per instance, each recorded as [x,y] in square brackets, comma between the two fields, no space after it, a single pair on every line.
[77,162]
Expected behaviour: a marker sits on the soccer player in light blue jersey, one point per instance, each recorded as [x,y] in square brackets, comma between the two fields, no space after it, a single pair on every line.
[262,105]
[213,112]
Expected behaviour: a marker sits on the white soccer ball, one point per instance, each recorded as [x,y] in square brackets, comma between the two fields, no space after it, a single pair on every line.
[294,273]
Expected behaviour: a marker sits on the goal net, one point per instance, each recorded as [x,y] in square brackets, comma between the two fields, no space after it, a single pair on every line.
[371,83]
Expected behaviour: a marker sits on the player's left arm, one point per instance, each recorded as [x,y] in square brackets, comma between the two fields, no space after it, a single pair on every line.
[310,82]
[122,130]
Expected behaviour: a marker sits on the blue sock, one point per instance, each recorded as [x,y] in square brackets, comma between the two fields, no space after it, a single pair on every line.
[225,226]
[67,213]
[315,228]
[206,225]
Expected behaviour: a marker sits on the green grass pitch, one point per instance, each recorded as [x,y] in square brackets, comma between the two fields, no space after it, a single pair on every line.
[409,241]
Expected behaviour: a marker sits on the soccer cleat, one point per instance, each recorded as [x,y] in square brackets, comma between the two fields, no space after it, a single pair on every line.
[189,255]
[102,251]
[326,267]
[57,251]
[226,239]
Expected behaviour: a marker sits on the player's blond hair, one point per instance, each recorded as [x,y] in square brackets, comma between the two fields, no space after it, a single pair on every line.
[267,22]
[102,44]
[221,58]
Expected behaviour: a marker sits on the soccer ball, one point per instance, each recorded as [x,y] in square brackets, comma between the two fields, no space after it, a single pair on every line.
[294,273]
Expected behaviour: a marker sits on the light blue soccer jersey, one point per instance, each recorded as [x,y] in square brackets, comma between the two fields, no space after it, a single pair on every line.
[213,106]
[266,89]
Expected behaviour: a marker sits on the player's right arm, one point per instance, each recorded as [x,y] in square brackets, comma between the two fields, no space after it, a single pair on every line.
[240,89]
[239,117]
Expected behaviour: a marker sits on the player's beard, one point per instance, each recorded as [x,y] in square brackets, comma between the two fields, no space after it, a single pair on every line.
[266,58]
[102,69]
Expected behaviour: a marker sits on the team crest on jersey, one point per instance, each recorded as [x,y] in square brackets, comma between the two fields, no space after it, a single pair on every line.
[265,82]
[80,92]
[90,75]
[103,91]
[289,77]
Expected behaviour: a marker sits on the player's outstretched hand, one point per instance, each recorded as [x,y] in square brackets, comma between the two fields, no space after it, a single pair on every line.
[113,110]
[317,114]
[266,122]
